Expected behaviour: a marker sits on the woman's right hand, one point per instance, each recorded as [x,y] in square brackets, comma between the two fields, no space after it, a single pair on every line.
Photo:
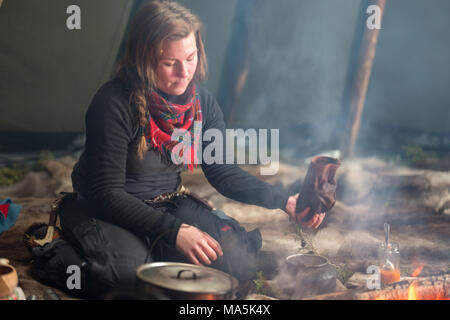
[197,245]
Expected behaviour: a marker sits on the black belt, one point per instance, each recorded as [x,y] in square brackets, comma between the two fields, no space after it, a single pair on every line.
[181,191]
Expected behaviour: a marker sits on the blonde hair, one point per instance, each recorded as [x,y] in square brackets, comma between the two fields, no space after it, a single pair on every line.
[154,23]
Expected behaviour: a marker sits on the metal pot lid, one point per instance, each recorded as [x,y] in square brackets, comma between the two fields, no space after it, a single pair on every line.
[185,277]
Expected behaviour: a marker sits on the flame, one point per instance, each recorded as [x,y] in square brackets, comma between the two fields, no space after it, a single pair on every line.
[412,292]
[418,269]
[415,294]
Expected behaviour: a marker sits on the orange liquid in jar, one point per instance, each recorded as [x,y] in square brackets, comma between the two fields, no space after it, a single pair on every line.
[389,276]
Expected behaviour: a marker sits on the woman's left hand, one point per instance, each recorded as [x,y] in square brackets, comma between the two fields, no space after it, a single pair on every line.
[313,223]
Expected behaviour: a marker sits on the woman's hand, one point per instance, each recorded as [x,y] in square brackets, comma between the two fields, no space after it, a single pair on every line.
[313,223]
[197,245]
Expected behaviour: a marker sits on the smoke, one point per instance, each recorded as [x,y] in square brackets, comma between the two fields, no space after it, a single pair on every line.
[408,74]
[301,58]
[298,71]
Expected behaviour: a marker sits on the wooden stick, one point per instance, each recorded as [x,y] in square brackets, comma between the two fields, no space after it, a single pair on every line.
[361,83]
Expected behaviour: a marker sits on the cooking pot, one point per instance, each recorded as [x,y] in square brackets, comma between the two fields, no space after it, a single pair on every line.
[182,281]
[304,275]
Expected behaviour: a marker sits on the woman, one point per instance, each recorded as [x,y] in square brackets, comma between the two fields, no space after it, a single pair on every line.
[127,159]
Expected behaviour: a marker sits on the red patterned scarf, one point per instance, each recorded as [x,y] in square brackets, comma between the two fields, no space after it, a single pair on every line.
[165,117]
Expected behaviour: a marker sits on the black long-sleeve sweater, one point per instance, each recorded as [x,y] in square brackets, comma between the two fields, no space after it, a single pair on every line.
[110,174]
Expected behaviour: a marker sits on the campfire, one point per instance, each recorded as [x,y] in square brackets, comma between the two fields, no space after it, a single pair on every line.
[409,288]
[433,288]
[427,288]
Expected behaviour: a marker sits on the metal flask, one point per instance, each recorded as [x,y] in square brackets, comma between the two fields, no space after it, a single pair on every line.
[182,281]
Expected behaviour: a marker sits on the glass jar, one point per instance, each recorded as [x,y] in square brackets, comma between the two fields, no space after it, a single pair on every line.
[389,262]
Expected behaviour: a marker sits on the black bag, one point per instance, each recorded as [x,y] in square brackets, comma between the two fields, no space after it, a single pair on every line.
[240,248]
[50,264]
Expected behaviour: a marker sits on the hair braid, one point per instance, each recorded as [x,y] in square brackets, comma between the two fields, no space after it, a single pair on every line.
[141,104]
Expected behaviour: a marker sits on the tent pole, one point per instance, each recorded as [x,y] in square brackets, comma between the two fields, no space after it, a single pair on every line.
[237,57]
[360,85]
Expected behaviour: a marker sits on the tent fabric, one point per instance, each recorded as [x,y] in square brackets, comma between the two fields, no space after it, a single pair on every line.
[48,72]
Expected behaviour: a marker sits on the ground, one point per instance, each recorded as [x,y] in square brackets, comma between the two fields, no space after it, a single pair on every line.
[415,202]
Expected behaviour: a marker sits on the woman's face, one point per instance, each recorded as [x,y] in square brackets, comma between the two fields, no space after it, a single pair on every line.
[177,64]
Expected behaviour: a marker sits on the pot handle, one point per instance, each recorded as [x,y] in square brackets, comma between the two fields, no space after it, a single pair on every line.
[193,276]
